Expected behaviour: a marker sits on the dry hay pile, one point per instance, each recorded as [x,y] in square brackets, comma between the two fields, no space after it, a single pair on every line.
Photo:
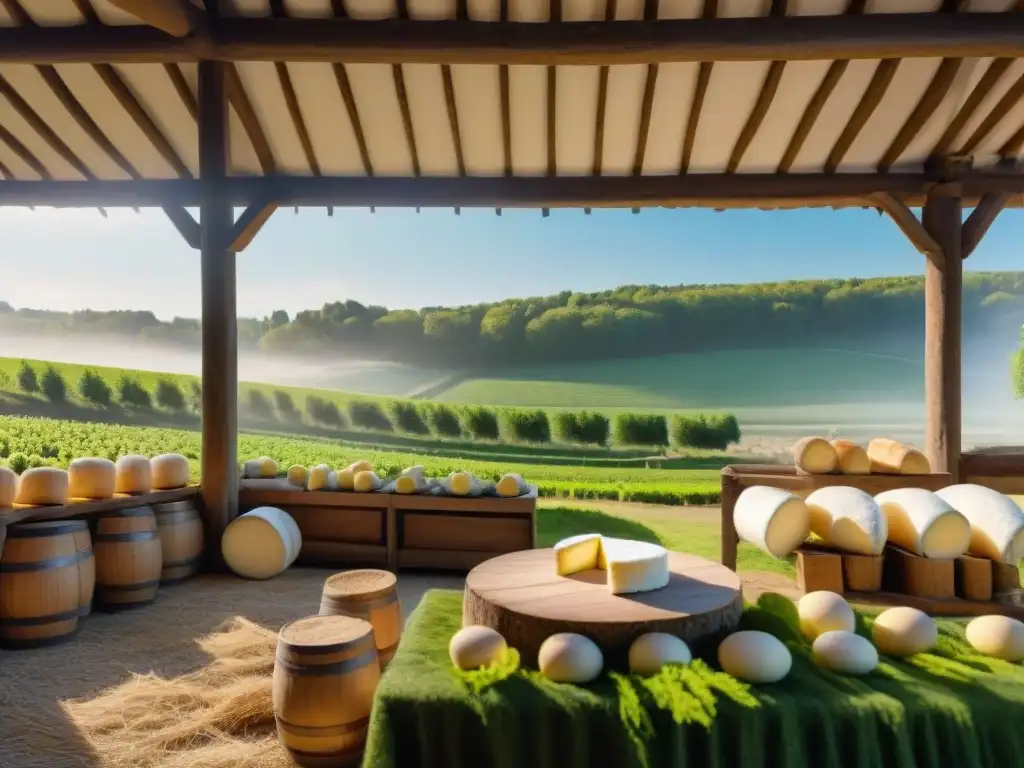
[218,717]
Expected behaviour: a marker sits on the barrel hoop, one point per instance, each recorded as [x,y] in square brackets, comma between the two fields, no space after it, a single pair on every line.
[38,621]
[46,530]
[359,607]
[339,667]
[388,650]
[129,512]
[173,518]
[170,507]
[39,642]
[181,563]
[326,731]
[45,565]
[127,536]
[128,587]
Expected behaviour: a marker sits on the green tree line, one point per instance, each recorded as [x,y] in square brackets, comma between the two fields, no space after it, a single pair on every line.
[631,320]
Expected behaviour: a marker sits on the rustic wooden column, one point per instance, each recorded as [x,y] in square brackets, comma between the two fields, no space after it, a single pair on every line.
[943,288]
[220,329]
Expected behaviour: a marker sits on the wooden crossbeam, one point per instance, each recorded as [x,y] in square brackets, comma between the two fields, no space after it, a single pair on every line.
[249,224]
[390,41]
[909,224]
[185,223]
[981,218]
[175,17]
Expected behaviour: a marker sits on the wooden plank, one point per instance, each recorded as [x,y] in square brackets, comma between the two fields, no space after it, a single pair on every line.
[1007,462]
[492,533]
[810,115]
[403,105]
[175,17]
[442,504]
[340,524]
[450,560]
[985,85]
[862,113]
[26,155]
[1002,108]
[253,495]
[181,87]
[757,114]
[239,100]
[341,554]
[930,101]
[23,514]
[980,220]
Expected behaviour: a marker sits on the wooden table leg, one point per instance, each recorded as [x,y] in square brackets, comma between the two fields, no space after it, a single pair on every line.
[730,541]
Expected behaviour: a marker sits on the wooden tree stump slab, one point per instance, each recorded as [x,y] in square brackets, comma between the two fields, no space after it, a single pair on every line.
[521,596]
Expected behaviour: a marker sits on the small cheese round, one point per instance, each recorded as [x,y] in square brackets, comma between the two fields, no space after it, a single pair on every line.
[297,475]
[360,466]
[844,652]
[8,486]
[461,483]
[824,611]
[570,658]
[998,636]
[42,485]
[754,656]
[251,469]
[364,482]
[170,470]
[319,478]
[511,485]
[853,459]
[904,631]
[815,455]
[651,651]
[346,479]
[406,484]
[91,478]
[268,467]
[476,646]
[133,475]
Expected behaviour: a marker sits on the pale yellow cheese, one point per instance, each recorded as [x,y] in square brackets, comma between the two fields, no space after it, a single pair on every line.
[822,611]
[904,631]
[251,469]
[261,543]
[577,553]
[895,458]
[412,480]
[853,459]
[364,482]
[755,657]
[815,455]
[297,475]
[651,651]
[461,483]
[91,478]
[319,478]
[570,658]
[511,485]
[8,486]
[772,519]
[476,646]
[43,485]
[923,523]
[848,519]
[347,476]
[133,474]
[268,467]
[170,470]
[997,523]
[632,566]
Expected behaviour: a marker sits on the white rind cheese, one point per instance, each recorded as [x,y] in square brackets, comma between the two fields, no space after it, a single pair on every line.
[650,652]
[853,459]
[755,656]
[824,611]
[925,524]
[998,636]
[891,457]
[904,631]
[844,652]
[570,658]
[772,519]
[997,523]
[412,480]
[261,543]
[815,455]
[632,566]
[91,478]
[848,519]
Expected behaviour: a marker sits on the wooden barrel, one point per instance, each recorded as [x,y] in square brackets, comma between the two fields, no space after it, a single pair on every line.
[181,540]
[46,582]
[371,595]
[325,677]
[128,558]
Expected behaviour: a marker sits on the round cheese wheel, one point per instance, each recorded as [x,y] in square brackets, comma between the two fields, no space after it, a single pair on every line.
[133,475]
[570,658]
[364,482]
[998,636]
[815,455]
[892,457]
[754,656]
[904,631]
[853,459]
[651,651]
[8,486]
[849,519]
[461,483]
[511,485]
[475,646]
[346,479]
[91,478]
[251,469]
[170,470]
[822,612]
[268,467]
[42,485]
[319,478]
[297,475]
[261,543]
[844,652]
[772,519]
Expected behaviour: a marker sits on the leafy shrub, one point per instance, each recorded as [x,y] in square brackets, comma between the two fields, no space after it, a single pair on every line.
[27,381]
[18,462]
[368,415]
[1018,372]
[640,429]
[481,423]
[525,426]
[702,431]
[321,411]
[195,396]
[407,418]
[169,395]
[581,427]
[286,406]
[5,380]
[94,389]
[258,404]
[443,419]
[131,392]
[55,389]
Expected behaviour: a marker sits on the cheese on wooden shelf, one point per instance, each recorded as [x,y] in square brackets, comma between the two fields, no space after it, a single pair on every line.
[43,485]
[319,478]
[91,478]
[133,475]
[347,476]
[364,482]
[772,519]
[632,566]
[922,523]
[997,523]
[892,457]
[511,485]
[848,519]
[8,486]
[815,455]
[169,470]
[297,475]
[412,480]
[853,459]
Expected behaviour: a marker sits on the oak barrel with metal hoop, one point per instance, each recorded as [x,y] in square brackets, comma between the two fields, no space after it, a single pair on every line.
[46,582]
[325,677]
[181,540]
[369,594]
[128,558]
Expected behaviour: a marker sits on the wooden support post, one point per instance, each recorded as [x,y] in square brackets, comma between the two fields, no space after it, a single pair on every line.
[220,324]
[943,219]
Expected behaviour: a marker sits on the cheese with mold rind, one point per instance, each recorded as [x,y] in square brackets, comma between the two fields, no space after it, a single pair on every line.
[848,519]
[924,523]
[997,523]
[632,566]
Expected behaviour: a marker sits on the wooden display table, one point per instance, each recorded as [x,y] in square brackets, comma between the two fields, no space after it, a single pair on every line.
[521,596]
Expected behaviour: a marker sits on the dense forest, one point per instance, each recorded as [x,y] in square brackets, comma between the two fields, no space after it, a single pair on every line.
[631,320]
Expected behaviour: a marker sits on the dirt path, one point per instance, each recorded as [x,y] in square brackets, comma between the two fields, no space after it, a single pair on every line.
[650,512]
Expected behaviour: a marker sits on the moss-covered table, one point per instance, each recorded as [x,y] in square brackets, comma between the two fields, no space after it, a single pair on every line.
[952,709]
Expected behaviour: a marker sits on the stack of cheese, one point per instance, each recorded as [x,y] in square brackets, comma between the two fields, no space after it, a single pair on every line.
[819,456]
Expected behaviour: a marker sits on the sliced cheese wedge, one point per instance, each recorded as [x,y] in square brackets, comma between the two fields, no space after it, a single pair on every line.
[921,522]
[997,523]
[772,519]
[848,519]
[853,459]
[632,566]
[815,455]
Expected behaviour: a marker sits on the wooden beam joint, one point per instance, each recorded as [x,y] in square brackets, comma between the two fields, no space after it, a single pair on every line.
[186,225]
[249,224]
[178,18]
[909,224]
[981,218]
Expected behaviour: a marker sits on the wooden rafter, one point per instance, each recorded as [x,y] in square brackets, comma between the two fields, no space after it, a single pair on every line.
[453,120]
[291,99]
[981,218]
[1012,147]
[555,13]
[869,102]
[249,224]
[33,162]
[908,223]
[5,172]
[810,115]
[185,223]
[995,116]
[930,101]
[403,106]
[182,89]
[175,17]
[239,100]
[348,97]
[700,90]
[978,95]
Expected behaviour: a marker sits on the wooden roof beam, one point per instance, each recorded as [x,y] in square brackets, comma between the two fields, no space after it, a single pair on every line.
[981,218]
[249,224]
[186,225]
[175,17]
[391,41]
[909,224]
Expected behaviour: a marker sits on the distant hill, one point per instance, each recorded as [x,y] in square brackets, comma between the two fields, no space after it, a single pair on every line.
[629,321]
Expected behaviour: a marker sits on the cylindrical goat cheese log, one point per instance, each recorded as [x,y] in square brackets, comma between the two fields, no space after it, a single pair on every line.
[251,469]
[891,457]
[923,523]
[347,476]
[320,478]
[511,485]
[133,474]
[815,455]
[461,484]
[772,519]
[42,485]
[997,523]
[297,475]
[268,467]
[848,519]
[91,478]
[261,543]
[853,459]
[170,470]
[8,486]
[364,482]
[412,480]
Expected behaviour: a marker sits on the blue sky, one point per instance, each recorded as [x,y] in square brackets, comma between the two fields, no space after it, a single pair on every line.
[75,259]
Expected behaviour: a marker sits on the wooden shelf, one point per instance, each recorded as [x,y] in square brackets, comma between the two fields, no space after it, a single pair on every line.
[22,514]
